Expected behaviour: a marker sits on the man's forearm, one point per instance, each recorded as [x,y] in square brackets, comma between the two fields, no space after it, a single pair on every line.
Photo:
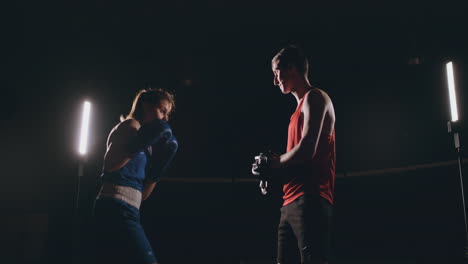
[299,154]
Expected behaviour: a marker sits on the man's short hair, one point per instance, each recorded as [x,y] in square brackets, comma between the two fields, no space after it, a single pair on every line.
[292,56]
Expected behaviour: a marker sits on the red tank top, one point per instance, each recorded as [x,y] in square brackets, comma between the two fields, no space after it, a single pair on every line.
[318,176]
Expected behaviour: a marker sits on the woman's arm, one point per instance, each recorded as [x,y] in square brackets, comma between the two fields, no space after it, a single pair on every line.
[148,188]
[117,154]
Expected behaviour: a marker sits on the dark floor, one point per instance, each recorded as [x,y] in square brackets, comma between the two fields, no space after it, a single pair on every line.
[413,217]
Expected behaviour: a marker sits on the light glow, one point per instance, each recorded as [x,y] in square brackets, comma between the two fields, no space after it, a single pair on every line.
[452,95]
[83,147]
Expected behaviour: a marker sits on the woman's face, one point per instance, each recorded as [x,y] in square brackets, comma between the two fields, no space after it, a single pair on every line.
[159,111]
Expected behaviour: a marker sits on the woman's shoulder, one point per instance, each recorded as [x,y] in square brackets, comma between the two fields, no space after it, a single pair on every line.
[129,123]
[126,127]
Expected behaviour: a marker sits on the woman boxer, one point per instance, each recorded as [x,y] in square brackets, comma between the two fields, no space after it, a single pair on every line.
[139,149]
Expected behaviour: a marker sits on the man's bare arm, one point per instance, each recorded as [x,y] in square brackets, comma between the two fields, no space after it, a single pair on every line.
[314,109]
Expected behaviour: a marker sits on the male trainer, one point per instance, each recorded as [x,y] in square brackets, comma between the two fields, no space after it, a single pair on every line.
[308,164]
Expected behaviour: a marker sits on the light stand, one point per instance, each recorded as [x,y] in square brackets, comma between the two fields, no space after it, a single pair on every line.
[82,150]
[454,127]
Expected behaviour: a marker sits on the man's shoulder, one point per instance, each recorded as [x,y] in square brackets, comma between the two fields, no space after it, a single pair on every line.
[315,91]
[317,96]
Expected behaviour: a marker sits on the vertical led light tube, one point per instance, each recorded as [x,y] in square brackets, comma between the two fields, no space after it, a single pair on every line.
[452,94]
[83,147]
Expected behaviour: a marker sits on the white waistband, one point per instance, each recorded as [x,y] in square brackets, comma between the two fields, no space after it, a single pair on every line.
[123,193]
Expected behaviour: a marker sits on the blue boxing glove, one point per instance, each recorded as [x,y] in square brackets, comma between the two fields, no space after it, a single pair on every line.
[149,134]
[162,155]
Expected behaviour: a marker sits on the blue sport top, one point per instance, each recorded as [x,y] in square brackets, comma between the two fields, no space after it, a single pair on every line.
[132,174]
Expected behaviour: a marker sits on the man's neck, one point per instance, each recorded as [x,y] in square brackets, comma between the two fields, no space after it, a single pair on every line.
[301,89]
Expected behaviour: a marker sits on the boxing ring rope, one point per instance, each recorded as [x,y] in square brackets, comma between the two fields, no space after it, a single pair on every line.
[377,172]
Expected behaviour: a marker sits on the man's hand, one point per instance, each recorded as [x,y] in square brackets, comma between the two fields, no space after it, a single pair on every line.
[275,161]
[264,162]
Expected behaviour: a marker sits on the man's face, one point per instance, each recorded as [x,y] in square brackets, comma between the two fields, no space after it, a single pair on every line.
[282,78]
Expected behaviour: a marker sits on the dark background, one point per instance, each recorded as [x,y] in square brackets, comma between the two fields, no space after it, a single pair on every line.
[216,56]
